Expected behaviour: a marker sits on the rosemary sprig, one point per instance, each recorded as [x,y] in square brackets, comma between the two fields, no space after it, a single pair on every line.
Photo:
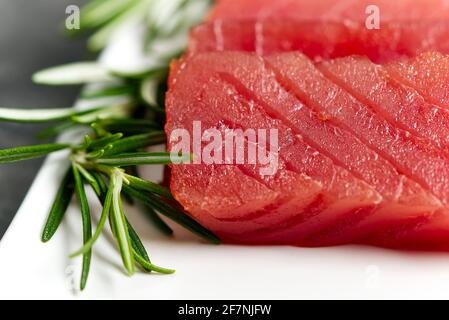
[93,170]
[119,131]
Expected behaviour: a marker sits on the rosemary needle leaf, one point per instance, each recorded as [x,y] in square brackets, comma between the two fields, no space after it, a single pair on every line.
[102,36]
[108,92]
[174,214]
[87,141]
[136,142]
[152,215]
[74,74]
[97,12]
[34,115]
[182,218]
[149,266]
[144,185]
[119,223]
[60,205]
[87,224]
[25,153]
[137,243]
[121,109]
[104,215]
[158,70]
[95,154]
[41,115]
[103,142]
[143,158]
[102,186]
[89,178]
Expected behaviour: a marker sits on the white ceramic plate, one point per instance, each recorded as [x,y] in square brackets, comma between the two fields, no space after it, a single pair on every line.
[31,269]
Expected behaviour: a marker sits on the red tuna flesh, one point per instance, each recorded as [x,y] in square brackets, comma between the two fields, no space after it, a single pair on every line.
[322,40]
[392,97]
[351,170]
[337,10]
[428,74]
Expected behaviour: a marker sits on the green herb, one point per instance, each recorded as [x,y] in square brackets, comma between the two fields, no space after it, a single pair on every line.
[25,153]
[86,220]
[149,266]
[39,115]
[104,215]
[136,142]
[144,185]
[141,158]
[115,134]
[73,74]
[119,222]
[60,205]
[137,243]
[108,92]
[172,213]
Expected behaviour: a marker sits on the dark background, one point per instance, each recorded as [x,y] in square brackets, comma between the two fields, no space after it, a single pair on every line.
[31,38]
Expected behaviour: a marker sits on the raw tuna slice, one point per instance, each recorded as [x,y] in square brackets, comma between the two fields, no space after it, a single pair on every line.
[428,74]
[393,143]
[342,192]
[338,10]
[399,103]
[414,156]
[322,40]
[365,174]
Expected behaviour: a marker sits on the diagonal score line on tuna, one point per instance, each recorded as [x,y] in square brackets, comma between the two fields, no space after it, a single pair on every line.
[223,145]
